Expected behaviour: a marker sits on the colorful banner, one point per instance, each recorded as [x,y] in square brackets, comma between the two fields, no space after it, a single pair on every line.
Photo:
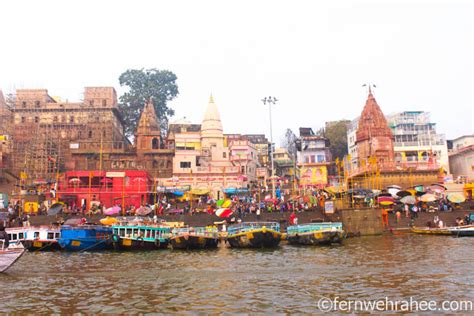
[314,175]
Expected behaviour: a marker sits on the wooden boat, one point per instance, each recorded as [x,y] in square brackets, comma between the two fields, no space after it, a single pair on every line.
[315,234]
[39,238]
[9,254]
[462,231]
[254,235]
[195,238]
[140,236]
[85,237]
[430,231]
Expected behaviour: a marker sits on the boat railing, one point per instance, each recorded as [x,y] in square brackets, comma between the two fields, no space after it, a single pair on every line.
[305,228]
[243,227]
[207,231]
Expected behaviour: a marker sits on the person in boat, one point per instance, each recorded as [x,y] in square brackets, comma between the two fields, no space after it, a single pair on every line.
[293,219]
[440,224]
[4,236]
[467,220]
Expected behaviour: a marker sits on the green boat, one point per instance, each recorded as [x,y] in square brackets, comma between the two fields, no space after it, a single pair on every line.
[140,237]
[254,235]
[195,238]
[315,234]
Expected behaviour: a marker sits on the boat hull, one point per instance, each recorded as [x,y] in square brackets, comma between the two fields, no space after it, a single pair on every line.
[430,231]
[194,242]
[40,245]
[258,238]
[316,238]
[134,244]
[85,244]
[9,256]
[462,231]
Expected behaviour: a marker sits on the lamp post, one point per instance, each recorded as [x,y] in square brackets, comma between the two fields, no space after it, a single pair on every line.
[271,100]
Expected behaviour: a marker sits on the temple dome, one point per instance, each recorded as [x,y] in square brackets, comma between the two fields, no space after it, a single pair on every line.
[211,125]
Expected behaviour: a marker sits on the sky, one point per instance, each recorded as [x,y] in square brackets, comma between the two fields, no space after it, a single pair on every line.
[313,56]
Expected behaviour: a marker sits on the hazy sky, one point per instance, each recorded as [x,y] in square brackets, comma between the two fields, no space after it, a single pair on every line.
[312,55]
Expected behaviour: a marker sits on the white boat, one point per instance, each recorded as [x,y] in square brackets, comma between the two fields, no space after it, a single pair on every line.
[9,255]
[462,231]
[35,238]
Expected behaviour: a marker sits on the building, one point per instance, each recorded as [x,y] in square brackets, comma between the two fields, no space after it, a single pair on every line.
[50,136]
[207,161]
[262,146]
[376,166]
[461,158]
[284,165]
[313,158]
[353,159]
[416,139]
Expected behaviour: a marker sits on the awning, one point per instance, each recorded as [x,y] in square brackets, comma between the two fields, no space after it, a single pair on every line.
[199,191]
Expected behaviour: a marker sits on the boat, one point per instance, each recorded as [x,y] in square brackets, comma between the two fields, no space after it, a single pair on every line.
[315,234]
[254,235]
[9,254]
[430,230]
[195,238]
[140,236]
[39,238]
[85,237]
[462,231]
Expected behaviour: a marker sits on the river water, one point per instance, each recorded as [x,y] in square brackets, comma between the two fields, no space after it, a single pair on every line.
[286,279]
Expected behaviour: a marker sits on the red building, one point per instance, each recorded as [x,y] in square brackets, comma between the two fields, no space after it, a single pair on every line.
[123,188]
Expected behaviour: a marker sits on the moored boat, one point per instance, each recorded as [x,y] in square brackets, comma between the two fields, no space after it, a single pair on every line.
[195,238]
[462,231]
[35,238]
[254,235]
[140,237]
[9,254]
[315,234]
[430,230]
[85,237]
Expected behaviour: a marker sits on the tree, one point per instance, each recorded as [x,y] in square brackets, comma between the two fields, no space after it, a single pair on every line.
[143,84]
[289,142]
[336,132]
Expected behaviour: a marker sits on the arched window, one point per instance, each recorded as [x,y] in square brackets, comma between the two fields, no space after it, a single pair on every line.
[90,134]
[155,164]
[155,143]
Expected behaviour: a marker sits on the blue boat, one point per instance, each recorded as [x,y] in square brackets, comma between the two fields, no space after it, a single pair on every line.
[86,237]
[315,234]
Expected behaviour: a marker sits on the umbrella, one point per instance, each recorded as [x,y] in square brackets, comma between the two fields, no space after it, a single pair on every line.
[393,186]
[439,185]
[108,221]
[385,200]
[419,193]
[56,208]
[143,210]
[224,212]
[393,191]
[114,210]
[402,194]
[219,202]
[226,203]
[418,188]
[73,221]
[428,197]
[409,199]
[456,197]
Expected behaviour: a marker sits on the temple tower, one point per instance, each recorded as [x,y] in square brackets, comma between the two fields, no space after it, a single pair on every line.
[148,134]
[211,129]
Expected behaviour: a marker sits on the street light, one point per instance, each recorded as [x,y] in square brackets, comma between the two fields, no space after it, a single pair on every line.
[271,100]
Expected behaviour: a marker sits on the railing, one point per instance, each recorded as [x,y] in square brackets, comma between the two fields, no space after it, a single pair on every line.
[394,166]
[306,228]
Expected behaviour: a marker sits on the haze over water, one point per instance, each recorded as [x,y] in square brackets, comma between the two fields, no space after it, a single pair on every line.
[287,279]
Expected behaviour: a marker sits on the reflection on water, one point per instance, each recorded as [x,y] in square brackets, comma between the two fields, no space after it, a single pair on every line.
[287,279]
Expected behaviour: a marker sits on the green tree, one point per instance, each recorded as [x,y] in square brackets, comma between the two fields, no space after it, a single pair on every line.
[336,132]
[143,84]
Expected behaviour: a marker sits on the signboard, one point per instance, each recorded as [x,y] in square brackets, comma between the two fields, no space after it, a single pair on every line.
[73,146]
[314,175]
[115,174]
[261,172]
[329,207]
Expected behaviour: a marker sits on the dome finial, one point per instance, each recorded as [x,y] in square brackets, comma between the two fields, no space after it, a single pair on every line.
[211,99]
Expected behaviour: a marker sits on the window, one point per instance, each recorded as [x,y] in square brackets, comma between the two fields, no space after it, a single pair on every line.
[91,102]
[23,119]
[320,158]
[224,155]
[155,143]
[37,104]
[36,119]
[242,169]
[104,102]
[23,103]
[90,134]
[185,164]
[71,119]
[155,164]
[55,119]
